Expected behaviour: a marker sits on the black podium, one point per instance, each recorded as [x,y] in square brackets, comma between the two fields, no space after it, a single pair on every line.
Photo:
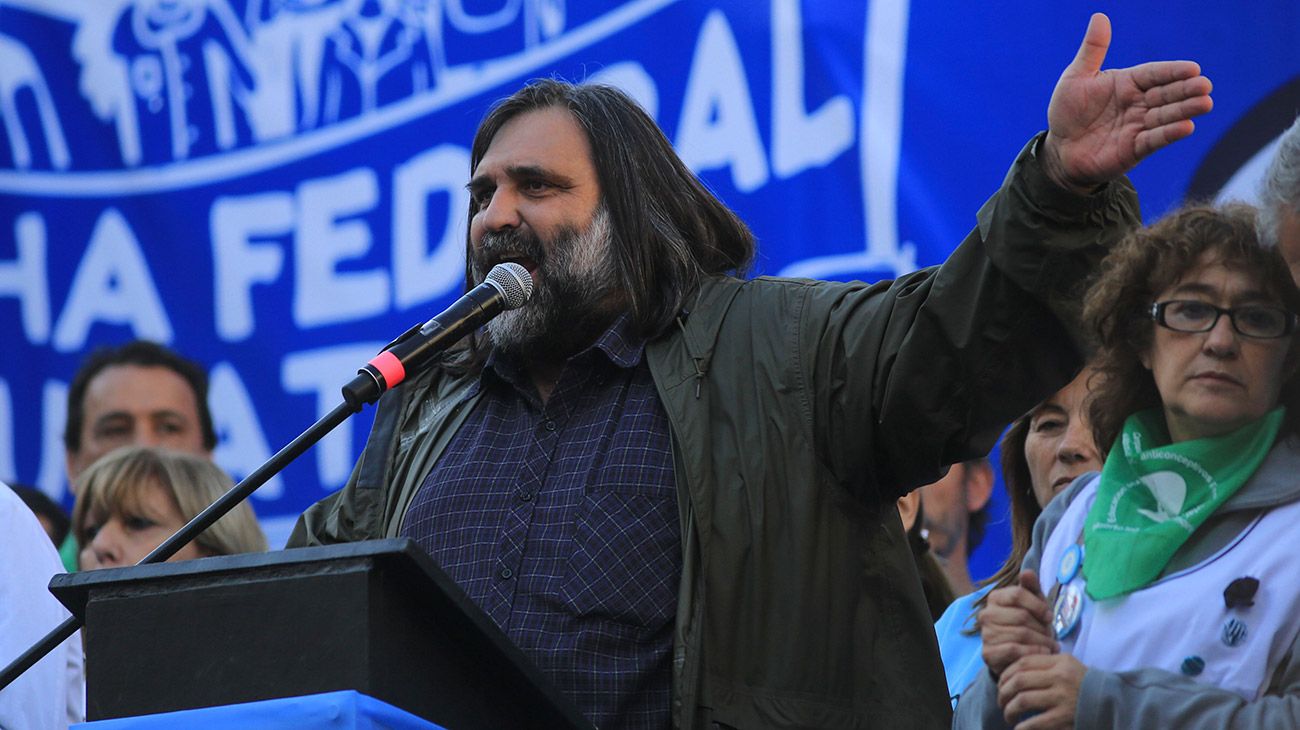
[378,617]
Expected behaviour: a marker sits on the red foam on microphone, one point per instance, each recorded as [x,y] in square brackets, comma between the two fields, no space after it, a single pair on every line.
[390,367]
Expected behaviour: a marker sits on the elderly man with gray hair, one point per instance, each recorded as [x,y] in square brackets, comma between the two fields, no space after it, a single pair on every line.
[1279,200]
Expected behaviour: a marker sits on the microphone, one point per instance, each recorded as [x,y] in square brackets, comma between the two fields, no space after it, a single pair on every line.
[507,286]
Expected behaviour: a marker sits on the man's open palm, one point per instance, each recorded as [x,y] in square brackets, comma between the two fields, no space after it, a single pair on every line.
[1102,123]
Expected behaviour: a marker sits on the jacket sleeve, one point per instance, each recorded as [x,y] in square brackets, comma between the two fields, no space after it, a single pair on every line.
[1156,698]
[1146,698]
[356,511]
[927,370]
[335,518]
[977,707]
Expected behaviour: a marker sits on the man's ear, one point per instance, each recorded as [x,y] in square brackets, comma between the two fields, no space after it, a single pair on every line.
[908,505]
[71,470]
[979,484]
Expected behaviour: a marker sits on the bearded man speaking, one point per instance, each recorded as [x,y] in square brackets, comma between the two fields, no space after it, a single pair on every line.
[674,488]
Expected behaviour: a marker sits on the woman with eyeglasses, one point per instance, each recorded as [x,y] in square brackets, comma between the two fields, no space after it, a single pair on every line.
[1164,591]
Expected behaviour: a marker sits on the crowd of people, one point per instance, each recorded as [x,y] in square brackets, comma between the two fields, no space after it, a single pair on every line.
[138,443]
[692,499]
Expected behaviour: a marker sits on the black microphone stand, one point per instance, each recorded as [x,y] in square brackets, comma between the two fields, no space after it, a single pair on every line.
[506,286]
[207,517]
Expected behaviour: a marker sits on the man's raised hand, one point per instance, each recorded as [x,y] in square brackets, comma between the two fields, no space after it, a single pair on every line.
[1102,123]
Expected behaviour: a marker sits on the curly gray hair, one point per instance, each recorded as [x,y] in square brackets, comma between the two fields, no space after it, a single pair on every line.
[1280,191]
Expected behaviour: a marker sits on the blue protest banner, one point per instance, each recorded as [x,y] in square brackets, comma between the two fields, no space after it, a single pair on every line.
[276,187]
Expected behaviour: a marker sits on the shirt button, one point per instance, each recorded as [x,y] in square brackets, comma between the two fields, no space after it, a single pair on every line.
[525,496]
[548,424]
[506,573]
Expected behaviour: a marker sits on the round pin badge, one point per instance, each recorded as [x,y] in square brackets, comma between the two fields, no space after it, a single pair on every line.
[1067,611]
[1071,561]
[1234,632]
[1192,665]
[1240,593]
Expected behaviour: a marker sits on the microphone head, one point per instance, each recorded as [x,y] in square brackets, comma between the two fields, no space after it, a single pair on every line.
[513,281]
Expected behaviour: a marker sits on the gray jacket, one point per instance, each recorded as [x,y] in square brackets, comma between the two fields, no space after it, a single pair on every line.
[1156,698]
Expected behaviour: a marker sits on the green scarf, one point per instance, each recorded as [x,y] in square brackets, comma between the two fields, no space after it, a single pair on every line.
[1154,494]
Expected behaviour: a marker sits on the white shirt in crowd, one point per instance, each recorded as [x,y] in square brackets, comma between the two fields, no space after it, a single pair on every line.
[52,694]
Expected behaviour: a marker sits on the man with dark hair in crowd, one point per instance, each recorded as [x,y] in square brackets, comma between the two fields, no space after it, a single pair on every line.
[137,394]
[53,519]
[934,583]
[955,512]
[674,488]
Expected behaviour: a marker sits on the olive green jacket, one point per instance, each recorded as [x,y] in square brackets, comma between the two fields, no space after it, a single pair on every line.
[799,412]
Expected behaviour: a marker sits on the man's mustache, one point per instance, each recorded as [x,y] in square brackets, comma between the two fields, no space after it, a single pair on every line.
[494,245]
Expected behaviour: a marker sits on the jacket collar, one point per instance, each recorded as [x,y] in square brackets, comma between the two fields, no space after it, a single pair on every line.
[1274,482]
[699,326]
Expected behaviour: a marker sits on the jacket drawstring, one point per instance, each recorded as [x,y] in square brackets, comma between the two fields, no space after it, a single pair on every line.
[700,369]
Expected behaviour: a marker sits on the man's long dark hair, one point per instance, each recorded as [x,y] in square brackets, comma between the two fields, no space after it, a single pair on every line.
[668,229]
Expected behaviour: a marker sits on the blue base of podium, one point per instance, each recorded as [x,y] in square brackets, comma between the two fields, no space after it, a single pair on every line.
[348,710]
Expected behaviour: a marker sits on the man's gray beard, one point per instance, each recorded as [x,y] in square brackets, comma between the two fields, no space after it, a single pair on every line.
[569,302]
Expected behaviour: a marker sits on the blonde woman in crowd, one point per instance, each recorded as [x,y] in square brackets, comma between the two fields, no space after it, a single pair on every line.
[133,499]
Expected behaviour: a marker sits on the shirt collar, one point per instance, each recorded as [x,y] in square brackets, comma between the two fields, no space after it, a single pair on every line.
[618,343]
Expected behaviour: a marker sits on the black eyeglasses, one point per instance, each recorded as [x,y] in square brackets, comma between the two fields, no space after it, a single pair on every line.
[1261,321]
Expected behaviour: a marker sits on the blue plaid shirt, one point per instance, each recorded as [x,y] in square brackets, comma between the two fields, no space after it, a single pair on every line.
[560,521]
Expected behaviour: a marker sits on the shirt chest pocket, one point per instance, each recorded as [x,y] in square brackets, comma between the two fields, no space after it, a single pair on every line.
[635,464]
[625,562]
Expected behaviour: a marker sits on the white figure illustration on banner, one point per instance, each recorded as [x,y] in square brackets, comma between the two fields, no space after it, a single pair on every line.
[879,147]
[171,75]
[19,72]
[288,53]
[176,50]
[543,19]
[466,22]
[374,57]
[427,16]
[183,79]
[104,79]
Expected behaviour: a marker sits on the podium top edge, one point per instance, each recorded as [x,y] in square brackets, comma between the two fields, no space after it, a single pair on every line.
[394,549]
